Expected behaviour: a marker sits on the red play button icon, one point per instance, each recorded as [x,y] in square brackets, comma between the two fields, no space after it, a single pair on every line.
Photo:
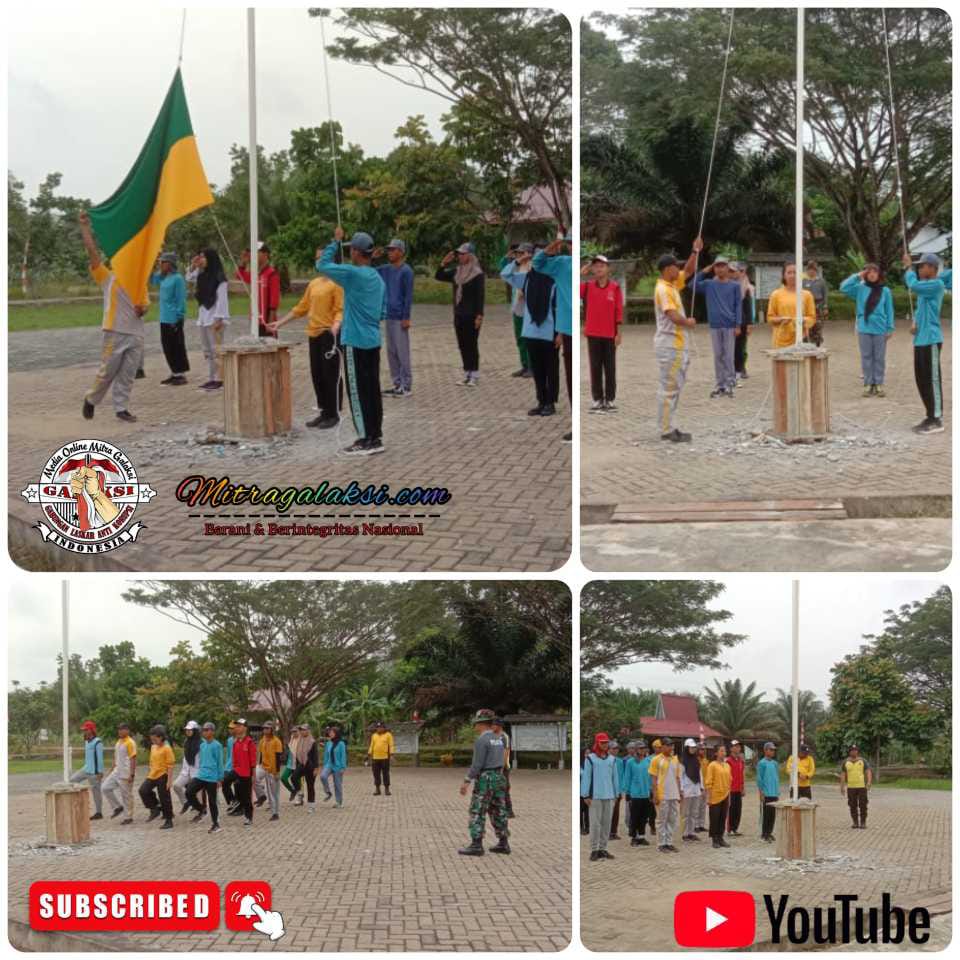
[714,918]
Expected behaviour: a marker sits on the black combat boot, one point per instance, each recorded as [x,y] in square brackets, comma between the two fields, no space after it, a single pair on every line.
[502,847]
[474,850]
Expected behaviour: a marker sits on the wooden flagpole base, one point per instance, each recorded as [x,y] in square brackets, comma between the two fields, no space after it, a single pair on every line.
[801,393]
[66,809]
[257,391]
[796,829]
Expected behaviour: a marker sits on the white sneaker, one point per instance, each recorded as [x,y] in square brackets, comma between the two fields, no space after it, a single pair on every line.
[596,406]
[311,808]
[610,405]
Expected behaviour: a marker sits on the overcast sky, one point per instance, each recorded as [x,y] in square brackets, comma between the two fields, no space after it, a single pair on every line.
[85,87]
[835,613]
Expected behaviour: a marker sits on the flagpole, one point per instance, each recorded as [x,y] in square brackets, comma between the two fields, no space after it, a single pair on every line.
[65,676]
[798,211]
[254,226]
[795,691]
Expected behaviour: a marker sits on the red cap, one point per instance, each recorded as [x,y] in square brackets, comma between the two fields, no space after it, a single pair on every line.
[89,725]
[601,739]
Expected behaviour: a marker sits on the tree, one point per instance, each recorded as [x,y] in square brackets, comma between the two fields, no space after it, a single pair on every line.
[505,72]
[672,60]
[918,638]
[611,708]
[29,711]
[644,621]
[811,713]
[293,640]
[871,703]
[735,710]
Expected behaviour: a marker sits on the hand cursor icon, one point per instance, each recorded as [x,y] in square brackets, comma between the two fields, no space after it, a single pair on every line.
[270,922]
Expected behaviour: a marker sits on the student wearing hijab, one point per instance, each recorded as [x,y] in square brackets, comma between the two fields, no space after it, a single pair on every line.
[188,766]
[291,763]
[875,324]
[691,782]
[469,292]
[211,292]
[599,787]
[305,758]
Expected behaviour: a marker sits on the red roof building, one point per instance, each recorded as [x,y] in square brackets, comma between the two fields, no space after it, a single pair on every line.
[677,717]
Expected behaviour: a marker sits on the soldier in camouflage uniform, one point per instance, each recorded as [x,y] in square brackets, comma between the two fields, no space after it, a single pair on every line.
[489,787]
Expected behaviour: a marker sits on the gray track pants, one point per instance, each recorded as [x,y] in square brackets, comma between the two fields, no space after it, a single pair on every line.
[672,366]
[119,792]
[601,816]
[94,782]
[271,783]
[120,356]
[668,815]
[723,340]
[212,340]
[398,354]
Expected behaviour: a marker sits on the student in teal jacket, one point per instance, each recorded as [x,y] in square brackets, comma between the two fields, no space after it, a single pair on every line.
[173,310]
[928,285]
[875,324]
[768,786]
[210,773]
[334,763]
[635,786]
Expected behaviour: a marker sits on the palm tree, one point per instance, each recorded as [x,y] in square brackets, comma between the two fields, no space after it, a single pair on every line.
[811,711]
[734,710]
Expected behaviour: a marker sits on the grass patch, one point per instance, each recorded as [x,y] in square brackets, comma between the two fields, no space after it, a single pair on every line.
[915,783]
[35,766]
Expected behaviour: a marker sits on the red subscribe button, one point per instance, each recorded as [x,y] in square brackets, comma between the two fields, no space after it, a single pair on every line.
[129,906]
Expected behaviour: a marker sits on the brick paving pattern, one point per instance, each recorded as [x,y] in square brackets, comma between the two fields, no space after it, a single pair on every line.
[627,903]
[873,451]
[509,474]
[383,873]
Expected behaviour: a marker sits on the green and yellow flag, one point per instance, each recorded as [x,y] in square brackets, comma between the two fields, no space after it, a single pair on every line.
[166,183]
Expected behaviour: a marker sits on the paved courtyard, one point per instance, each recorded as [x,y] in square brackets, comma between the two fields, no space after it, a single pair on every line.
[627,903]
[509,474]
[381,874]
[872,465]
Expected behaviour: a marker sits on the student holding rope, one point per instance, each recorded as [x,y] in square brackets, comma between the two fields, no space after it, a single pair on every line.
[875,324]
[364,305]
[929,288]
[670,342]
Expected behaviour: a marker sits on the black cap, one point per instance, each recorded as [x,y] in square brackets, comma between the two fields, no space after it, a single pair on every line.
[666,742]
[667,260]
[158,731]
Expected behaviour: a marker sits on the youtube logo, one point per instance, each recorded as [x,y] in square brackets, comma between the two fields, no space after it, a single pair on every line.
[714,919]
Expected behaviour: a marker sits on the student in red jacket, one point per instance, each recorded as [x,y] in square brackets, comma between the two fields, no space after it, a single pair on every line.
[244,767]
[602,299]
[735,762]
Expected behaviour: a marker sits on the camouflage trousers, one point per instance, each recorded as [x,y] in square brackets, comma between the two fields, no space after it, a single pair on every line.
[489,798]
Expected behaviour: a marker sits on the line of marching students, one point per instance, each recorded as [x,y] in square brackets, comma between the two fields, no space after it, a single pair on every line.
[693,792]
[246,771]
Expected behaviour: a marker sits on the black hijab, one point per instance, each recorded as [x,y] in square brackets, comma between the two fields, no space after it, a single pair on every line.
[191,747]
[876,290]
[691,765]
[209,279]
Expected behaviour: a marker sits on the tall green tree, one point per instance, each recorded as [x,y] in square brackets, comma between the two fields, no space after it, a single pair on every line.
[735,710]
[645,621]
[30,710]
[505,72]
[810,709]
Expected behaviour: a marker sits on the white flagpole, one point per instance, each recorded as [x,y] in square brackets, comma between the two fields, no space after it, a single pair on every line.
[254,225]
[798,213]
[795,691]
[65,676]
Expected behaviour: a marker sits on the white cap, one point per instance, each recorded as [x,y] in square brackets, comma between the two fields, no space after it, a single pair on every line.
[734,743]
[689,742]
[192,725]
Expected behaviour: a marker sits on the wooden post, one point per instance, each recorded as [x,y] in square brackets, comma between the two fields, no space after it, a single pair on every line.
[257,392]
[66,808]
[801,393]
[796,829]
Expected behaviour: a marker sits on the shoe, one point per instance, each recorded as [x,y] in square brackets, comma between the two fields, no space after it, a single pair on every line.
[206,386]
[299,800]
[184,809]
[663,849]
[328,796]
[717,392]
[635,842]
[87,410]
[931,426]
[716,843]
[475,849]
[247,822]
[316,421]
[676,436]
[519,373]
[744,375]
[216,384]
[168,381]
[374,447]
[386,791]
[672,848]
[233,808]
[116,813]
[127,822]
[614,836]
[694,837]
[867,390]
[214,829]
[535,411]
[722,843]
[729,393]
[261,801]
[610,405]
[153,815]
[311,808]
[275,816]
[357,448]
[376,792]
[863,826]
[597,406]
[688,836]
[734,833]
[878,390]
[126,416]
[548,410]
[235,813]
[465,382]
[197,818]
[392,392]
[97,816]
[568,438]
[472,382]
[178,381]
[502,847]
[606,855]
[641,842]
[166,825]
[527,374]
[338,806]
[855,826]
[141,375]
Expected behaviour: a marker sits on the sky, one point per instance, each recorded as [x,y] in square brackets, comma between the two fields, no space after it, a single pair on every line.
[835,613]
[84,90]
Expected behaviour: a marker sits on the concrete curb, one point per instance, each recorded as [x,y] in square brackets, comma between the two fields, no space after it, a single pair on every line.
[26,940]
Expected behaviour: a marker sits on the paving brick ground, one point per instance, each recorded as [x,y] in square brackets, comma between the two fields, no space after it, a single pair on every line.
[627,903]
[872,452]
[380,874]
[510,474]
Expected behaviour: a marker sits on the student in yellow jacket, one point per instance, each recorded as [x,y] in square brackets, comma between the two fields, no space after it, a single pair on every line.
[782,309]
[806,768]
[716,781]
[667,793]
[380,751]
